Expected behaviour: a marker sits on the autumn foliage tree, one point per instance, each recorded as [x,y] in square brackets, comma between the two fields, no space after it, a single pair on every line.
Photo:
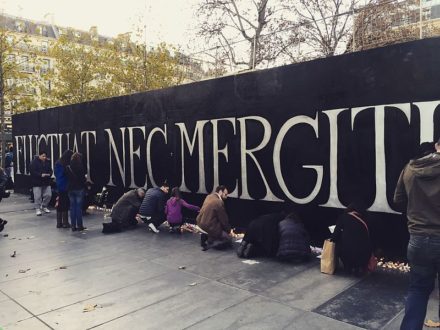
[96,70]
[17,90]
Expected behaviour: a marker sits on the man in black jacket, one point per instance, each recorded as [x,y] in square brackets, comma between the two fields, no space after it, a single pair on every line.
[41,173]
[152,210]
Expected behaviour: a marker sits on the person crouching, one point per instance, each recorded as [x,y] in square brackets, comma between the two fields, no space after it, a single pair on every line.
[173,210]
[214,220]
[124,212]
[294,245]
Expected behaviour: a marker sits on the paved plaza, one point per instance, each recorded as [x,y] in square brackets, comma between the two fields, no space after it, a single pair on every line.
[60,279]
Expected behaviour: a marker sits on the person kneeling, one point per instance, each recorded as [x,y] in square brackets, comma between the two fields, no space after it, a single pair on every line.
[173,210]
[353,245]
[213,219]
[294,243]
[124,211]
[261,237]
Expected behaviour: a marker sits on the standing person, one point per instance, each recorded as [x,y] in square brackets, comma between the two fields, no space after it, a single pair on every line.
[418,189]
[3,181]
[63,197]
[9,162]
[40,178]
[152,210]
[76,183]
[214,220]
[173,210]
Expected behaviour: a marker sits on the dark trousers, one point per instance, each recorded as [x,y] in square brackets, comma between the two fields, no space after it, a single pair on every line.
[156,219]
[220,243]
[424,260]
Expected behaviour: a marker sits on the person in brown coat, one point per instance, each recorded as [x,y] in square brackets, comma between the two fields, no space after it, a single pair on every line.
[213,219]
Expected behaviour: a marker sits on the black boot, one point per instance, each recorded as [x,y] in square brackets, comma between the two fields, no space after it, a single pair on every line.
[59,219]
[249,251]
[204,241]
[65,217]
[2,224]
[241,248]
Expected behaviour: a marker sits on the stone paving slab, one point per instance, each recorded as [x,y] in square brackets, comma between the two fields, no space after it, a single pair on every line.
[370,302]
[29,324]
[11,312]
[249,314]
[183,310]
[121,302]
[309,289]
[135,279]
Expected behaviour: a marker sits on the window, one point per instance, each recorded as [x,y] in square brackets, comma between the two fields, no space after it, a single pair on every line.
[24,63]
[19,26]
[48,85]
[10,58]
[44,46]
[44,30]
[45,67]
[435,12]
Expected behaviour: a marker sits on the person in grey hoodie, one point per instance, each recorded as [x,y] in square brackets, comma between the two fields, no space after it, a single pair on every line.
[418,190]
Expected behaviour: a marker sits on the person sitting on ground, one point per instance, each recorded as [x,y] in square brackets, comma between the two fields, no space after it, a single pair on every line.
[294,243]
[152,210]
[124,212]
[352,237]
[261,237]
[173,210]
[214,220]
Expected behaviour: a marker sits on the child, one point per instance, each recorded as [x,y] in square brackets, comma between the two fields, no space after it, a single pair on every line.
[173,210]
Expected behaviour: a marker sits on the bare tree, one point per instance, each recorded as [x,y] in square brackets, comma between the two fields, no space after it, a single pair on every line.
[326,25]
[247,32]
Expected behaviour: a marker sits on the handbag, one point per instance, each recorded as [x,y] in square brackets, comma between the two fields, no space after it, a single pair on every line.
[328,257]
[372,262]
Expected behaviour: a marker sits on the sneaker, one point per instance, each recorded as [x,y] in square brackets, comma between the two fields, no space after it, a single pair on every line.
[38,212]
[46,210]
[153,228]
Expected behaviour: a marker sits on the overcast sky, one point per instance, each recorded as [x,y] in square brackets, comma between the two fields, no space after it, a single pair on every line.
[170,21]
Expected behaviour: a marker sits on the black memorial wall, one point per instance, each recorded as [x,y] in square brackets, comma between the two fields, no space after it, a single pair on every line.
[316,135]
